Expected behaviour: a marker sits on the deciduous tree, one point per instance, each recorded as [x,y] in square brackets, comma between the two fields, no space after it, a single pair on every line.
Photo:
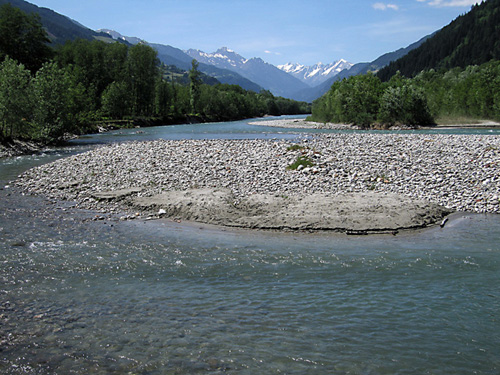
[15,95]
[23,38]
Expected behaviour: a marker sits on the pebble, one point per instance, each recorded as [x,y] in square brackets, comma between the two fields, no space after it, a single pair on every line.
[460,172]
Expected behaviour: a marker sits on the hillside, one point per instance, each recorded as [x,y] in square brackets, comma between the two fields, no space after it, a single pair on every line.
[173,56]
[471,39]
[59,28]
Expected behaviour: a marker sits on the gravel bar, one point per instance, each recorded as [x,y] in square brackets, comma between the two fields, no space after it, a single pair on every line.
[453,172]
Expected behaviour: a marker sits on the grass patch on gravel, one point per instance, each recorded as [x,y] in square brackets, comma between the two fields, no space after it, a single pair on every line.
[305,161]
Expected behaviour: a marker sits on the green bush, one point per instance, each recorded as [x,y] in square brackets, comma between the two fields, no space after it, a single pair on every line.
[406,105]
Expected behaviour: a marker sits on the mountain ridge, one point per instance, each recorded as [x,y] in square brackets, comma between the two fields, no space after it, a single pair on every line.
[255,69]
[314,75]
[470,39]
[59,27]
[174,56]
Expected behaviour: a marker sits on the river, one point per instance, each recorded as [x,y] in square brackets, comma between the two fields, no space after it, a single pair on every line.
[86,296]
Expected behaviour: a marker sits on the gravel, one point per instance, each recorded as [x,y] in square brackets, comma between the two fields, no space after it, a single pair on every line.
[458,172]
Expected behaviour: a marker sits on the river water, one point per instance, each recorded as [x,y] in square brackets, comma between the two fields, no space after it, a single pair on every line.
[85,296]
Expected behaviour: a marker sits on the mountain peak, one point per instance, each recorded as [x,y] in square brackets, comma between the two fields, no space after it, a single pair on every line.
[223,57]
[255,69]
[315,74]
[225,49]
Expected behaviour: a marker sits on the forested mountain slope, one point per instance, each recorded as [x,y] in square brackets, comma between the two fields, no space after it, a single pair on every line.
[471,39]
[59,28]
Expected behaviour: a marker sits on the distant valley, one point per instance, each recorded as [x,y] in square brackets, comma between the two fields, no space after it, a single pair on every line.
[292,80]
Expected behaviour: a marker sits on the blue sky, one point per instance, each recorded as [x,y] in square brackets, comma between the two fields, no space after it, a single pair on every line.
[278,31]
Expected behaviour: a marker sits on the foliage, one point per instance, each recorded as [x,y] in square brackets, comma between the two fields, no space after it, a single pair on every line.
[15,103]
[471,39]
[94,65]
[23,38]
[295,147]
[354,100]
[51,118]
[142,73]
[471,92]
[194,85]
[116,100]
[405,104]
[91,80]
[88,81]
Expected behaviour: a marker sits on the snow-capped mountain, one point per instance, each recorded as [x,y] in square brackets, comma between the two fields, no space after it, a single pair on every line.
[223,58]
[316,74]
[255,69]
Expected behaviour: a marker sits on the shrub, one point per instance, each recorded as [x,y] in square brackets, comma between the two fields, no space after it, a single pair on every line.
[405,104]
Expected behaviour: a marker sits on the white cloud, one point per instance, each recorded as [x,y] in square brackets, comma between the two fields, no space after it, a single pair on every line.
[383,6]
[450,3]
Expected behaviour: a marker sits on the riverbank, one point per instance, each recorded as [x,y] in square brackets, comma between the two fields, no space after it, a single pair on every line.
[17,147]
[305,124]
[357,182]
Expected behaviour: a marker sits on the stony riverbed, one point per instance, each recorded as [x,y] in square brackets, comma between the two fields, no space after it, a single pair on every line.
[459,172]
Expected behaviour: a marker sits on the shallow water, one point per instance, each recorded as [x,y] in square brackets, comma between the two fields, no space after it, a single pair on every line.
[242,130]
[84,296]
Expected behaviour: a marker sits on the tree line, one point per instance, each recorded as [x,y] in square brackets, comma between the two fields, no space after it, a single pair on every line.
[367,101]
[47,93]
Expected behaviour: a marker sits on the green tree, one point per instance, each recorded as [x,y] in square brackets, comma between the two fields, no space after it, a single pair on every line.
[195,83]
[51,103]
[163,98]
[94,64]
[143,71]
[23,38]
[116,100]
[15,95]
[354,100]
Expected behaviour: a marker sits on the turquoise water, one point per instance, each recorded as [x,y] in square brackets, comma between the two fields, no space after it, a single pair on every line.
[242,130]
[108,297]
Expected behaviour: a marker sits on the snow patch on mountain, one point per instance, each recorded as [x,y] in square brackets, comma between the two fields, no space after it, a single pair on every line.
[117,36]
[316,74]
[223,58]
[255,69]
